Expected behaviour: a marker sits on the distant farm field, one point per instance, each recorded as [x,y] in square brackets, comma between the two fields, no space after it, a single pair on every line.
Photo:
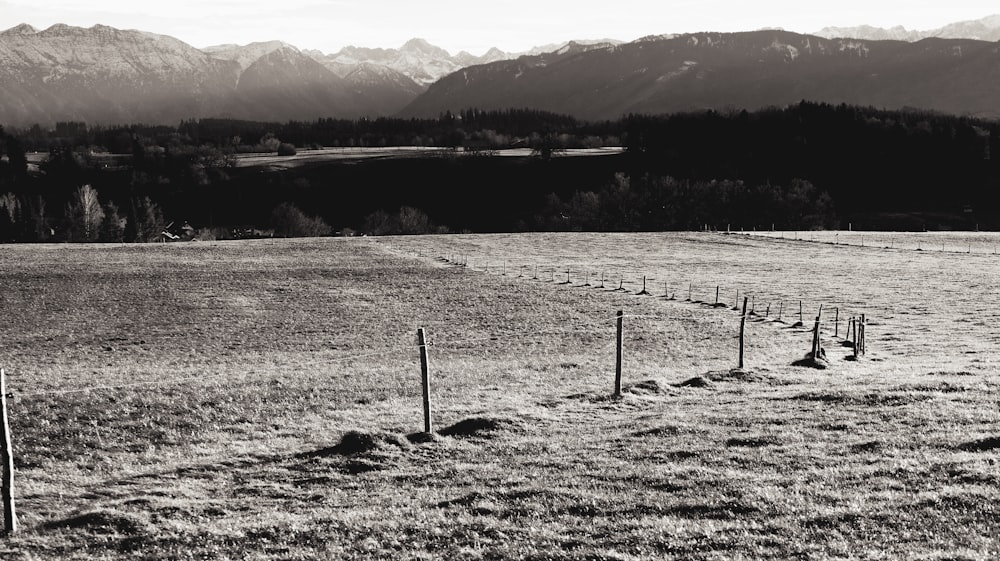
[261,399]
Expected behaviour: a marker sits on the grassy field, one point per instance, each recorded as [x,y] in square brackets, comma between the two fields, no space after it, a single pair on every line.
[261,400]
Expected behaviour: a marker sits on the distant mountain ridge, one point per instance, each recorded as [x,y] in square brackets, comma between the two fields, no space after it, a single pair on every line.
[723,71]
[984,29]
[107,75]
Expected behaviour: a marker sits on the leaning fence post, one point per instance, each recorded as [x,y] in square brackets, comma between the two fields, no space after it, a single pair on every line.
[425,379]
[743,326]
[864,342]
[9,515]
[618,357]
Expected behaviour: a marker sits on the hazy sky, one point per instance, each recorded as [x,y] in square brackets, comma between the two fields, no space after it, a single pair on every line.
[512,25]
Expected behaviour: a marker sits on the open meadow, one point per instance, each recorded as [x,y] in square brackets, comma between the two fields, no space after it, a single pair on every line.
[262,399]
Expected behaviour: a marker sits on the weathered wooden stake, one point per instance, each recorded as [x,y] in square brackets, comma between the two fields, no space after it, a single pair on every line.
[9,514]
[643,291]
[743,326]
[781,308]
[602,279]
[425,379]
[618,356]
[690,288]
[864,328]
[836,322]
[736,303]
[815,343]
[800,311]
[767,312]
[716,295]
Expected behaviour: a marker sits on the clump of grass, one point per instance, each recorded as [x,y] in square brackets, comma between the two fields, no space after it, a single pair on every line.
[646,387]
[819,362]
[357,442]
[696,382]
[482,427]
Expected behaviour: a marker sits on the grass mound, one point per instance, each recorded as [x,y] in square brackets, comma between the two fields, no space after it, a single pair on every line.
[360,442]
[736,375]
[819,362]
[485,427]
[696,382]
[645,387]
[983,445]
[102,522]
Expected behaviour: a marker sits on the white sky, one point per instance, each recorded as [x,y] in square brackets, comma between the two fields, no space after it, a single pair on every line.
[511,25]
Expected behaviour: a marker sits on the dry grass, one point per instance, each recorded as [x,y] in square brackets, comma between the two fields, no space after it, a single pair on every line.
[294,433]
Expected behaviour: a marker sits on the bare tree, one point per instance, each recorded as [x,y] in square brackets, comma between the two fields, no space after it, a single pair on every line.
[84,215]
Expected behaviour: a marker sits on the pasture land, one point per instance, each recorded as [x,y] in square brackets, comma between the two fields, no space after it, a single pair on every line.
[261,400]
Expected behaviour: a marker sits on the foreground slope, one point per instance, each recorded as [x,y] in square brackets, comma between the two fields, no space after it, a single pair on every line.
[283,380]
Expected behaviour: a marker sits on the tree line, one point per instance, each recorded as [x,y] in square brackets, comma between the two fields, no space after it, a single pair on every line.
[808,165]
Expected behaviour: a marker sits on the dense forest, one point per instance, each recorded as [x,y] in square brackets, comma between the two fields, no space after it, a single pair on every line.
[805,166]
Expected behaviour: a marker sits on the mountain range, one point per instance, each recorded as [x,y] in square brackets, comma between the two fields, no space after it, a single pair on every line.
[107,75]
[749,70]
[985,29]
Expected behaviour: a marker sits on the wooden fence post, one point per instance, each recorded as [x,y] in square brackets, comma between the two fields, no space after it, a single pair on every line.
[781,308]
[425,379]
[800,311]
[9,514]
[618,356]
[836,322]
[743,326]
[815,342]
[864,327]
[716,295]
[643,292]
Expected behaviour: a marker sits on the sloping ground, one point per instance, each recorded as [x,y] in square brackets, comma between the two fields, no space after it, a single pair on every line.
[285,423]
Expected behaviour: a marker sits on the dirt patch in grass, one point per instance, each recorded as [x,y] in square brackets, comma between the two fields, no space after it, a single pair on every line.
[982,445]
[753,442]
[665,430]
[868,399]
[482,427]
[866,447]
[715,511]
[102,522]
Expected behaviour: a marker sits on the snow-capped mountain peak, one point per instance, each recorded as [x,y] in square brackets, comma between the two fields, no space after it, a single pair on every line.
[985,29]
